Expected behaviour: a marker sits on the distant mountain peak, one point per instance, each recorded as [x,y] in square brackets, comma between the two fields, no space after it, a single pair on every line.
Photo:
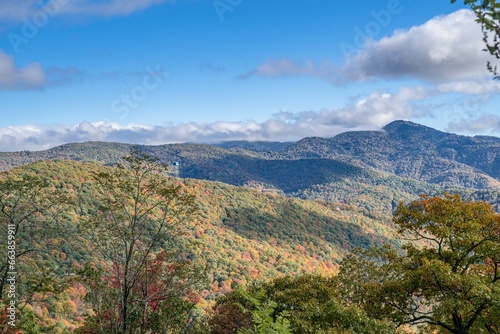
[403,125]
[407,129]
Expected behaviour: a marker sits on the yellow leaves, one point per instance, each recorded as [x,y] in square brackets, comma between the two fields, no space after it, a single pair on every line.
[449,222]
[452,275]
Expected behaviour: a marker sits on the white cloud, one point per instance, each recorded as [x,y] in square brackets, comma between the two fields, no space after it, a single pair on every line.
[31,77]
[482,124]
[17,10]
[470,87]
[371,112]
[444,48]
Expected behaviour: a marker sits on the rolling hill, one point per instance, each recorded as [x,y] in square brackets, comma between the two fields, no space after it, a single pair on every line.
[237,235]
[371,170]
[402,149]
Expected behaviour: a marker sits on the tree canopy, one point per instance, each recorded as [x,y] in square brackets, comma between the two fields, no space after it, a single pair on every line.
[449,283]
[29,211]
[137,217]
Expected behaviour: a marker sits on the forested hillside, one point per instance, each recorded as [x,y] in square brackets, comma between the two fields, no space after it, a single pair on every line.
[414,151]
[237,235]
[402,149]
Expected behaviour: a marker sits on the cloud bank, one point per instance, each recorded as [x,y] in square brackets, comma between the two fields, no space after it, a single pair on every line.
[483,123]
[370,112]
[444,48]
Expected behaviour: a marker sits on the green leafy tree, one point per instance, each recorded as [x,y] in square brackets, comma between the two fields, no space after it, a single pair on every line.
[29,214]
[315,305]
[449,283]
[262,315]
[134,227]
[488,15]
[366,280]
[300,304]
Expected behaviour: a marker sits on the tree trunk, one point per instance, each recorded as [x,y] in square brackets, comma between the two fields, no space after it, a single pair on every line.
[124,308]
[459,326]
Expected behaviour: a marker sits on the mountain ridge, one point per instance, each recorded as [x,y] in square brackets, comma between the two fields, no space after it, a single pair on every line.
[413,150]
[401,148]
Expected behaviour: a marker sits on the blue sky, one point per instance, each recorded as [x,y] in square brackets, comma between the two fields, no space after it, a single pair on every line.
[159,71]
